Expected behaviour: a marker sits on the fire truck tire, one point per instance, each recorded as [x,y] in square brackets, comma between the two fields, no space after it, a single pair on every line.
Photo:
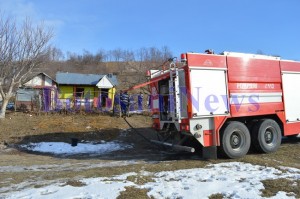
[235,140]
[266,136]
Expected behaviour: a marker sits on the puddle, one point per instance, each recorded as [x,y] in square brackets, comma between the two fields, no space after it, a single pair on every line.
[63,148]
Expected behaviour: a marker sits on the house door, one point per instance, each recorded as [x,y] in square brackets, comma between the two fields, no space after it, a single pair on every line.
[104,96]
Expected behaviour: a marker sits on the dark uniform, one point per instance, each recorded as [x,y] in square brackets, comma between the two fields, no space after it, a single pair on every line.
[124,100]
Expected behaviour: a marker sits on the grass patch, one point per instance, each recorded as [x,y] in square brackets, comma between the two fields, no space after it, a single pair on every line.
[74,183]
[273,186]
[139,179]
[37,186]
[133,193]
[216,196]
[279,158]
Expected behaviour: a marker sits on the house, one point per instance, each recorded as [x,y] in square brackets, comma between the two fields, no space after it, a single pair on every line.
[39,92]
[89,90]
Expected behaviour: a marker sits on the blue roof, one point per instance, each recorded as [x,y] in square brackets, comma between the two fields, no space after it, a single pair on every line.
[83,79]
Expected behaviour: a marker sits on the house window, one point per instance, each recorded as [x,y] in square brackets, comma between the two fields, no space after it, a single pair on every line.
[79,92]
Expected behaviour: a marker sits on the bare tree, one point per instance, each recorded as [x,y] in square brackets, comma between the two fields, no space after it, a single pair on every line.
[166,53]
[22,48]
[101,55]
[117,54]
[87,57]
[142,54]
[56,54]
[128,56]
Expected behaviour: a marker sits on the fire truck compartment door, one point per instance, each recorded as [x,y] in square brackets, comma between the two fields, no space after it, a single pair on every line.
[291,88]
[209,92]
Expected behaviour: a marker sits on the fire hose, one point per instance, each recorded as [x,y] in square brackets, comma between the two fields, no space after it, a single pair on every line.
[162,143]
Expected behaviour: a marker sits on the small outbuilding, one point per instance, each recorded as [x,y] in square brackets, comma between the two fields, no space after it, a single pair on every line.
[88,90]
[38,93]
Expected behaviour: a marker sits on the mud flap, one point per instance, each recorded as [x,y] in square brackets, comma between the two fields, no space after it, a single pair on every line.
[209,152]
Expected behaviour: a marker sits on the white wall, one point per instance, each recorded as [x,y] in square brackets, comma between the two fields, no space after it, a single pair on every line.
[36,81]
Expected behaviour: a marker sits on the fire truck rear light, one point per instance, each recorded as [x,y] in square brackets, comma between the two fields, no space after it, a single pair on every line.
[185,127]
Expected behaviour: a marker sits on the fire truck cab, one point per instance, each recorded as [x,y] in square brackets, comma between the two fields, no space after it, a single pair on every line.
[227,102]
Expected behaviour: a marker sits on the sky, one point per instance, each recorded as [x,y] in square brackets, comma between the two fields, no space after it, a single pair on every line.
[249,26]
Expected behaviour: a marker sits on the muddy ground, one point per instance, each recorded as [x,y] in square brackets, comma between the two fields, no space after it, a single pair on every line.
[20,167]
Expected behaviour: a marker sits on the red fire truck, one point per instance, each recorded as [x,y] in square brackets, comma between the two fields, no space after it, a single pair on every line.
[226,102]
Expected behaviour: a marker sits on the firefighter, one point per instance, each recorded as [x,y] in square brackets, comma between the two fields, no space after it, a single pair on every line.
[124,100]
[140,102]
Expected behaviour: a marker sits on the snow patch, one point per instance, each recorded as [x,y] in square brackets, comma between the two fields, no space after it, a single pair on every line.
[94,188]
[233,180]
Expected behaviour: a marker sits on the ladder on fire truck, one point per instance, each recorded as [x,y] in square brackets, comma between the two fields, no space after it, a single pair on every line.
[174,93]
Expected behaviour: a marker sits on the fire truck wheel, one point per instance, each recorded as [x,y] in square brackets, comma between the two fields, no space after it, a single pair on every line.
[235,140]
[266,136]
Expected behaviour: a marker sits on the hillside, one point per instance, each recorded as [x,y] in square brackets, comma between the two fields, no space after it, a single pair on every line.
[128,73]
